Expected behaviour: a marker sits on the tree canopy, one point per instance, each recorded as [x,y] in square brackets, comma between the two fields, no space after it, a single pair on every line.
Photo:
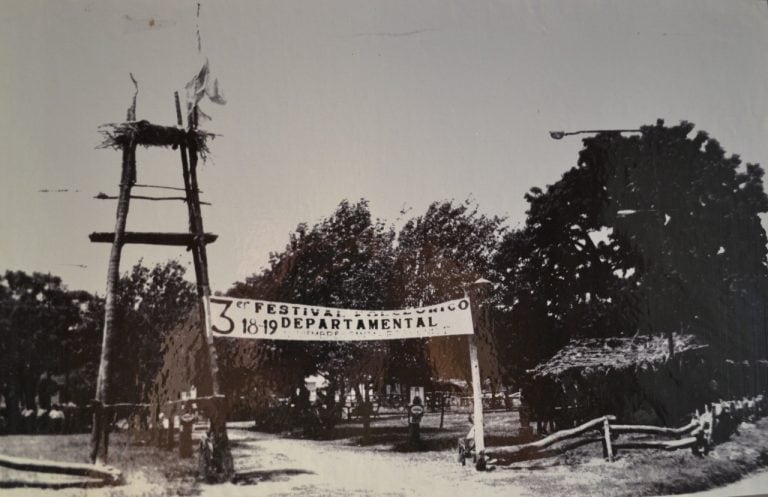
[45,330]
[649,233]
[349,260]
[342,261]
[152,303]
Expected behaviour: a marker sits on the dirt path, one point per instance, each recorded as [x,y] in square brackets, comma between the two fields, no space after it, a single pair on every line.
[278,467]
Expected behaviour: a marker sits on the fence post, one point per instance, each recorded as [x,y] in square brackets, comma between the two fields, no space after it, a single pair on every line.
[698,447]
[607,448]
[98,433]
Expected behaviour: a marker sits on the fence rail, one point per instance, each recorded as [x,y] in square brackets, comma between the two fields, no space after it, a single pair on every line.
[103,475]
[714,425]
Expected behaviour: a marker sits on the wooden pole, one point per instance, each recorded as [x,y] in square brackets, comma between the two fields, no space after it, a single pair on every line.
[150,238]
[607,440]
[100,433]
[477,397]
[555,437]
[104,196]
[108,474]
[670,445]
[220,466]
[442,409]
[656,430]
[477,386]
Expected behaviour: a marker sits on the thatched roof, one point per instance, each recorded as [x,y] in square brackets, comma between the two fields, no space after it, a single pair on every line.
[452,384]
[613,353]
[116,135]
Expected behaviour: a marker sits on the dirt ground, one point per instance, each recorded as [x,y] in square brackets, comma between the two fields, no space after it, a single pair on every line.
[301,467]
[385,464]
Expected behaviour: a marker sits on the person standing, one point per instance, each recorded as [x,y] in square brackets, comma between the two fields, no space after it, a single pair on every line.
[56,416]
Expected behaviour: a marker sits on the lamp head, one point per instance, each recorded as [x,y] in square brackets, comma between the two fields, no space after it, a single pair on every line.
[476,283]
[557,135]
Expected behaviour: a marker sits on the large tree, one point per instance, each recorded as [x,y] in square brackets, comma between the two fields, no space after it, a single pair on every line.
[440,254]
[349,260]
[151,304]
[45,330]
[342,261]
[692,215]
[649,233]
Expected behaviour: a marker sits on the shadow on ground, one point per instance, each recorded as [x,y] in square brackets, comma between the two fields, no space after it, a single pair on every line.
[50,486]
[437,441]
[258,476]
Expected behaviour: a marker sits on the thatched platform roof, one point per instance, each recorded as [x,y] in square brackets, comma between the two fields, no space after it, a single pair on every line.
[613,353]
[144,133]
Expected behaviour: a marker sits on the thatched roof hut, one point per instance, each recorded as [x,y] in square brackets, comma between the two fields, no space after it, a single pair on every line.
[596,354]
[632,378]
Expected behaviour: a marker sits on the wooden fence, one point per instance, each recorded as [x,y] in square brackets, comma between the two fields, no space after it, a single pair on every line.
[714,425]
[95,475]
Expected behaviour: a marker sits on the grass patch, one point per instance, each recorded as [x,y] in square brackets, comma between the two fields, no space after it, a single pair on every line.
[646,472]
[581,471]
[147,468]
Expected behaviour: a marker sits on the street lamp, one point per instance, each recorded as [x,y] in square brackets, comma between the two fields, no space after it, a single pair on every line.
[558,135]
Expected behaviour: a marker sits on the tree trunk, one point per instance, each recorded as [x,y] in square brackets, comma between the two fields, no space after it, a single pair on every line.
[363,409]
[442,409]
[155,417]
[12,404]
[342,398]
[65,395]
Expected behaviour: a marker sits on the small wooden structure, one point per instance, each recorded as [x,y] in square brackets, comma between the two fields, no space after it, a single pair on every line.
[633,378]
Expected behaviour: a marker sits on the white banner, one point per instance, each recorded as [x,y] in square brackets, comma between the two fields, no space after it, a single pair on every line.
[260,319]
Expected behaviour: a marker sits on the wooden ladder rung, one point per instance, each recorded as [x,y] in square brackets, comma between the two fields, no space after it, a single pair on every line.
[147,238]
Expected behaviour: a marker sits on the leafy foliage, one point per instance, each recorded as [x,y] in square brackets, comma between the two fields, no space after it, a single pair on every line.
[348,260]
[647,234]
[439,255]
[152,302]
[45,330]
[341,261]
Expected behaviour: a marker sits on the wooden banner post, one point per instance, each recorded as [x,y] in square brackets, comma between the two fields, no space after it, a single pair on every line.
[477,400]
[477,384]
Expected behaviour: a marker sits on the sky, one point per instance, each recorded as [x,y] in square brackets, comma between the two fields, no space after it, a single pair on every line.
[400,102]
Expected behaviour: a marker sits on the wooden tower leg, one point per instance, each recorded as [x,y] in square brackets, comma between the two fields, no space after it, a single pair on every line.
[100,432]
[216,461]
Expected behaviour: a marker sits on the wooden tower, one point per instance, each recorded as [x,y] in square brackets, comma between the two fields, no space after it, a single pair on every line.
[191,143]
